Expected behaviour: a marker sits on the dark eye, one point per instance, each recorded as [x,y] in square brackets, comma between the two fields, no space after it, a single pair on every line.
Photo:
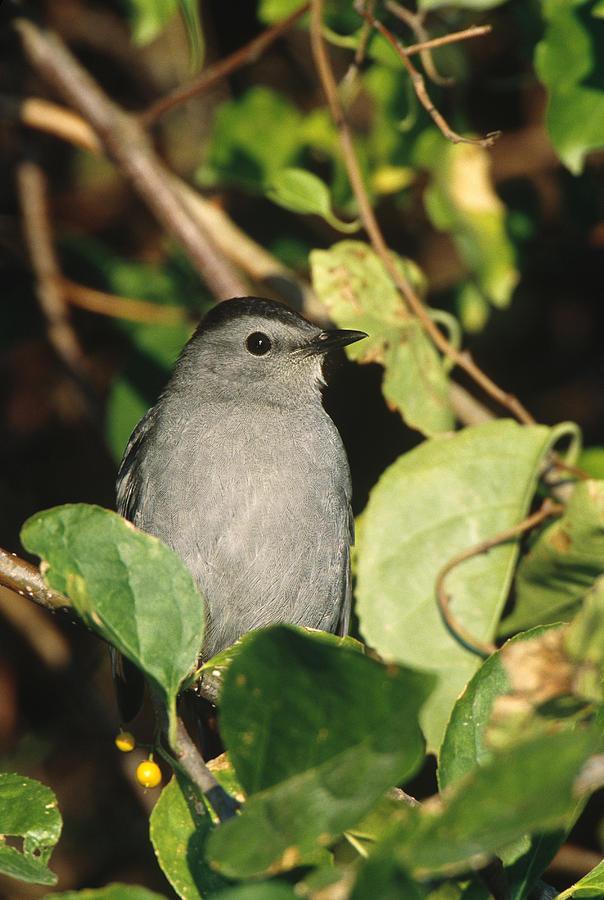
[258,343]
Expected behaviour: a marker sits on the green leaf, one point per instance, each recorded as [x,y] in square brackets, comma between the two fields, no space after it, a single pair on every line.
[529,788]
[590,886]
[303,192]
[591,461]
[563,562]
[179,828]
[123,582]
[352,282]
[29,811]
[254,136]
[445,496]
[461,200]
[114,891]
[570,63]
[312,757]
[465,746]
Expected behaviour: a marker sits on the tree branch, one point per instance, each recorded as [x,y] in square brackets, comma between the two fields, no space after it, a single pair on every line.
[25,579]
[127,144]
[213,74]
[485,648]
[377,239]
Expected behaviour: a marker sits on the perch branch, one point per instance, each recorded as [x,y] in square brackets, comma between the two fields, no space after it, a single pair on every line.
[377,239]
[483,648]
[25,579]
[213,74]
[128,145]
[187,757]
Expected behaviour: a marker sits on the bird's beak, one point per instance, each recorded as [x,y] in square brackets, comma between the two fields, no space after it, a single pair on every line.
[332,340]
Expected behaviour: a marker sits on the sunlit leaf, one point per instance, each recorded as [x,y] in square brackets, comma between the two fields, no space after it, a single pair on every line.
[445,496]
[123,582]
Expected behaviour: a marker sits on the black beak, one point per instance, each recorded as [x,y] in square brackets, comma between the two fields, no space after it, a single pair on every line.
[332,340]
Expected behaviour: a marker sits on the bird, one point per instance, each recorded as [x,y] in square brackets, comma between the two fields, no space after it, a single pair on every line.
[241,471]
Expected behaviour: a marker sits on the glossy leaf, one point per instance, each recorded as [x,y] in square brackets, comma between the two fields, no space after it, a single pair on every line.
[122,582]
[568,61]
[303,192]
[312,759]
[29,811]
[179,828]
[445,496]
[352,282]
[562,563]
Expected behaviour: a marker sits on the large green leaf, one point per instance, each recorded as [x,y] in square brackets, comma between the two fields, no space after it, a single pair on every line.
[178,828]
[570,63]
[445,496]
[28,810]
[530,788]
[127,586]
[562,563]
[313,757]
[354,285]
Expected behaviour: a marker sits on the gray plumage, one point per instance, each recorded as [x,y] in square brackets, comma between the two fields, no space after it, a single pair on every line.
[241,471]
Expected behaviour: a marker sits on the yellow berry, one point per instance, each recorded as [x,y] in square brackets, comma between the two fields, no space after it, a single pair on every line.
[148,773]
[125,742]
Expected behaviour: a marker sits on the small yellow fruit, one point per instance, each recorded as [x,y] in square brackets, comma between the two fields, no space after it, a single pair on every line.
[148,773]
[125,742]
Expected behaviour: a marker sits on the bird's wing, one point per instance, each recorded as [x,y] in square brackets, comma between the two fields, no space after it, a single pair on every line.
[127,498]
[344,622]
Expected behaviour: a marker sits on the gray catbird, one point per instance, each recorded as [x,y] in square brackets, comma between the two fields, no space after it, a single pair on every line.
[241,471]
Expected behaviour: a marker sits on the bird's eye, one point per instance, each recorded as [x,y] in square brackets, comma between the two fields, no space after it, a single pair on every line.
[258,343]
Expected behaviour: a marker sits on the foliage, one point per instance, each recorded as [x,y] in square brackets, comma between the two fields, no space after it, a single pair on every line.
[321,732]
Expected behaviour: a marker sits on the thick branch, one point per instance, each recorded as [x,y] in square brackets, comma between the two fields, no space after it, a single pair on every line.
[128,145]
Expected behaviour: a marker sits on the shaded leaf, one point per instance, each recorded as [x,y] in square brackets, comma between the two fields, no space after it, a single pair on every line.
[29,811]
[529,788]
[313,759]
[122,582]
[179,827]
[240,152]
[445,496]
[352,282]
[569,62]
[562,563]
